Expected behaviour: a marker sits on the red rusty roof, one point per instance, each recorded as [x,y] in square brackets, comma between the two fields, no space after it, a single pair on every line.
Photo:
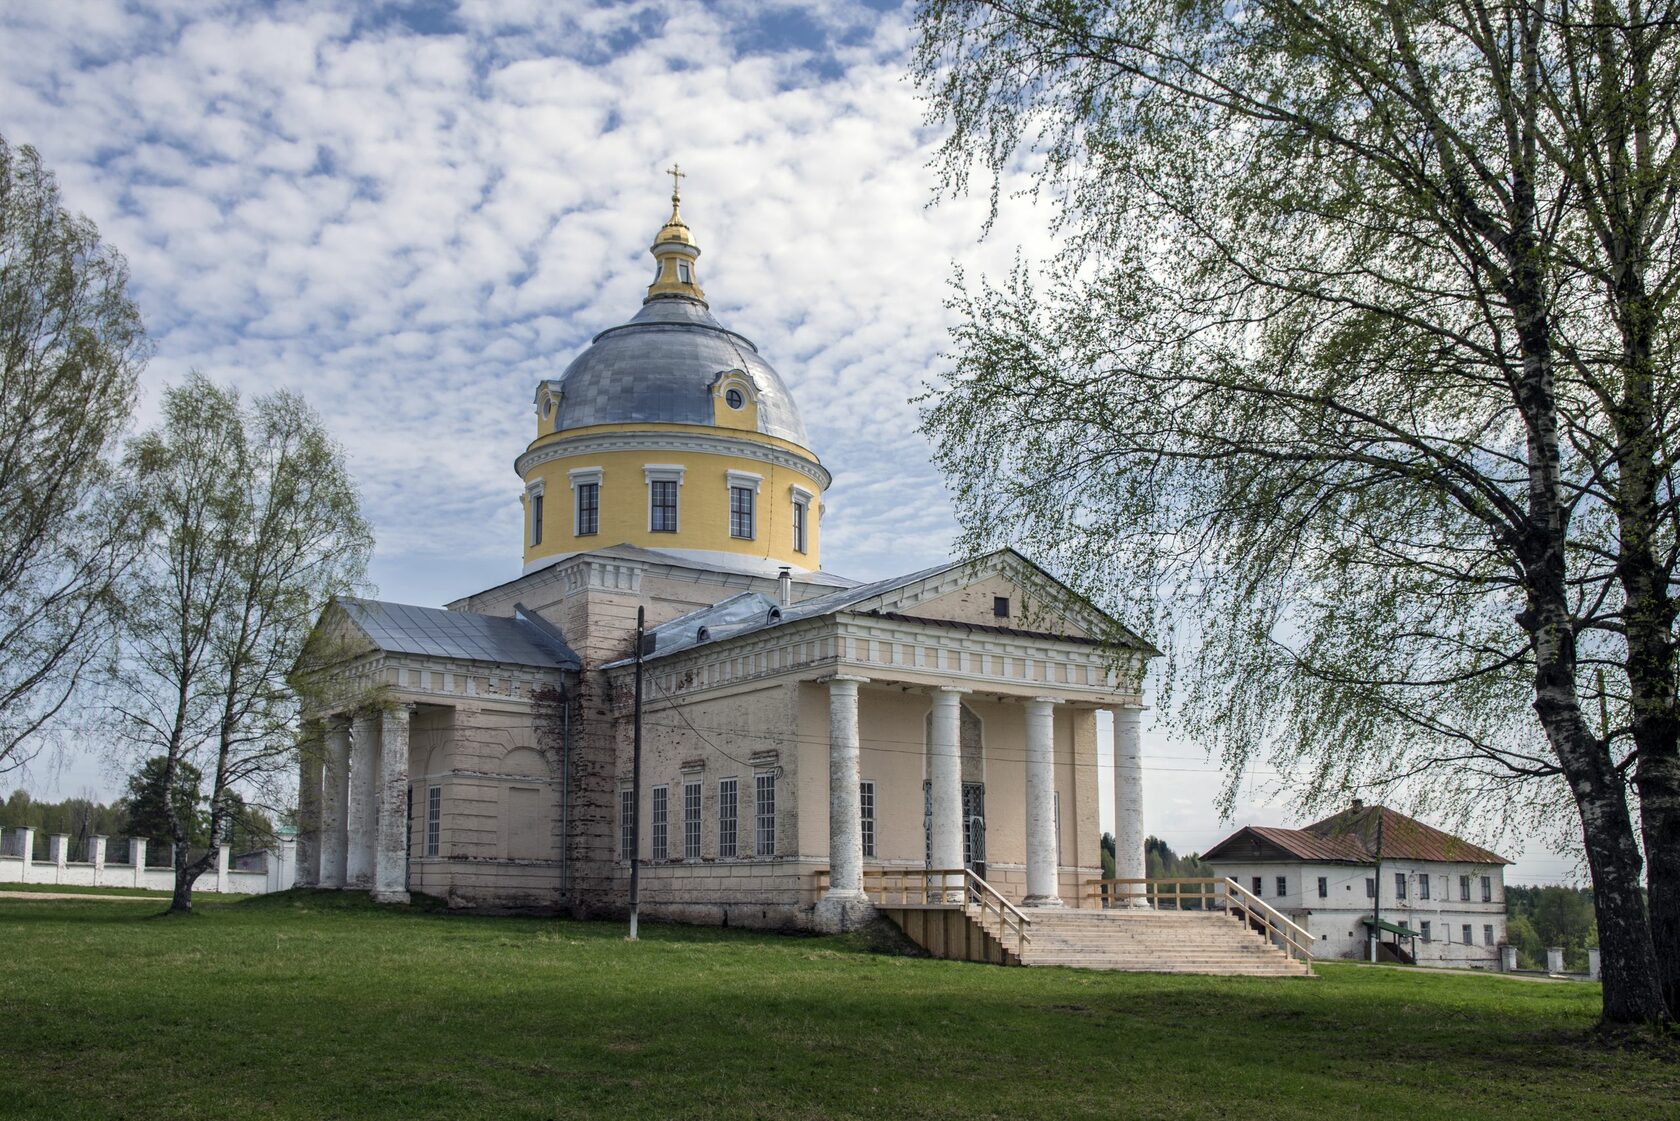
[1355,836]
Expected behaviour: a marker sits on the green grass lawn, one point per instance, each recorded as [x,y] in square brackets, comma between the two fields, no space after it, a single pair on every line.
[313,1005]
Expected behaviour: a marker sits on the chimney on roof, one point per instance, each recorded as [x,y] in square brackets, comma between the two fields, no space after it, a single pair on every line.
[1358,804]
[784,583]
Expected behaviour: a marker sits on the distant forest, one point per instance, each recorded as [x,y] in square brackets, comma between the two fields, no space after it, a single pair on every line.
[82,819]
[1538,917]
[1163,863]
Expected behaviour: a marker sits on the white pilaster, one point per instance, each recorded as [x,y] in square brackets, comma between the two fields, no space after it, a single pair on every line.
[1129,861]
[945,777]
[362,820]
[845,827]
[335,803]
[390,877]
[1041,804]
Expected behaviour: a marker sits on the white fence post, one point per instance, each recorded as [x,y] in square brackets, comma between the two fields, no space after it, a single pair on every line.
[137,857]
[1554,959]
[26,850]
[58,851]
[1508,958]
[1594,968]
[96,856]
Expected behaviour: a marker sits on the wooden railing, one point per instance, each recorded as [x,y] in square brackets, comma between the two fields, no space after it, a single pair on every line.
[1206,894]
[945,887]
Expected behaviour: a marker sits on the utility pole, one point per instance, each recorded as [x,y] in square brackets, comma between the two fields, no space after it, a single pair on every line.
[636,778]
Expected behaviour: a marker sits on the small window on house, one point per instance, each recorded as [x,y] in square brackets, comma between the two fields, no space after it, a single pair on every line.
[729,795]
[588,509]
[735,399]
[661,822]
[866,807]
[1399,885]
[1426,930]
[1370,887]
[536,519]
[1282,886]
[1000,606]
[1324,887]
[1423,886]
[691,821]
[434,819]
[764,813]
[662,499]
[1487,934]
[1257,881]
[1467,937]
[741,512]
[1464,890]
[1487,890]
[626,824]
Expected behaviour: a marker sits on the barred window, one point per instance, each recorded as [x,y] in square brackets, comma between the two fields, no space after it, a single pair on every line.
[1423,886]
[729,794]
[764,813]
[1399,885]
[1464,892]
[626,824]
[588,509]
[1467,937]
[866,806]
[1487,890]
[662,493]
[660,822]
[740,512]
[434,819]
[691,821]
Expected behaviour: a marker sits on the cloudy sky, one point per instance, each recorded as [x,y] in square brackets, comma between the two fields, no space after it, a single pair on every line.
[411,213]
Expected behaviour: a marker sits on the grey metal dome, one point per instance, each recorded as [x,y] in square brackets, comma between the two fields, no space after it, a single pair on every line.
[660,367]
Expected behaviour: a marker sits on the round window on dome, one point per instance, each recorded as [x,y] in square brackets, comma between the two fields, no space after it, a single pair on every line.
[735,398]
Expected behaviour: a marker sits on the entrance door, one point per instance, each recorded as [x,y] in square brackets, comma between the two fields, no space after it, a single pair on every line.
[974,828]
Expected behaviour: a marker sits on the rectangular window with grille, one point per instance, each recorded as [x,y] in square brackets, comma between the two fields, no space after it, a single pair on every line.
[764,813]
[1399,885]
[1256,884]
[1467,938]
[729,804]
[691,821]
[866,805]
[741,512]
[1464,891]
[1282,886]
[626,824]
[662,493]
[1423,886]
[1426,928]
[799,514]
[661,822]
[1487,934]
[1487,889]
[588,509]
[434,819]
[536,519]
[1370,887]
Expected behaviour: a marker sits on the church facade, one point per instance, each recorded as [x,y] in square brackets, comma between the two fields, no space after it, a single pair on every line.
[802,732]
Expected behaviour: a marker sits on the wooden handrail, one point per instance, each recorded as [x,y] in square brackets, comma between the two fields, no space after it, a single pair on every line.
[1297,941]
[945,887]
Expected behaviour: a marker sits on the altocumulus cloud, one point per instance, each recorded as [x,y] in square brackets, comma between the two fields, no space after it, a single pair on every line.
[411,213]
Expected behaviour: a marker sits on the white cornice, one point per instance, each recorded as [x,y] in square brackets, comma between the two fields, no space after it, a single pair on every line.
[665,442]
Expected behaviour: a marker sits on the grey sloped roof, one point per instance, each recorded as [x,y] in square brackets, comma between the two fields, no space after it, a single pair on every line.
[525,639]
[660,366]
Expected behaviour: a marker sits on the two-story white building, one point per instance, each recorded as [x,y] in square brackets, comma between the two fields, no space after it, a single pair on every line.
[1370,878]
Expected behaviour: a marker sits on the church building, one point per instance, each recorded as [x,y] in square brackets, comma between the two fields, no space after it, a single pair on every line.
[805,737]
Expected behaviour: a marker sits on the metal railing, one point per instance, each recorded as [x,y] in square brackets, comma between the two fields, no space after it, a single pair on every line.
[1207,894]
[946,887]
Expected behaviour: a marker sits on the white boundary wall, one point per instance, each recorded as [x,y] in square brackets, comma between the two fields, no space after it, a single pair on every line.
[280,867]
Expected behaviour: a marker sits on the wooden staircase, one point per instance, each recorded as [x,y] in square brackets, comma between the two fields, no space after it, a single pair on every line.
[1198,926]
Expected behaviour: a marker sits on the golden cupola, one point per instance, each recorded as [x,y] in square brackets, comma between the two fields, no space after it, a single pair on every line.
[672,432]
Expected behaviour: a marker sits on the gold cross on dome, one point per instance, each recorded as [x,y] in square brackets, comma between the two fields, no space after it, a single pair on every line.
[676,173]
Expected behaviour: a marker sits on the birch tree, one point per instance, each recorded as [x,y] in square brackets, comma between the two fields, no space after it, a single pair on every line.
[1329,369]
[72,345]
[254,523]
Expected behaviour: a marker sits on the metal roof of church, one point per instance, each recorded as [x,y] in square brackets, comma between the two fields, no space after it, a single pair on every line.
[524,639]
[660,367]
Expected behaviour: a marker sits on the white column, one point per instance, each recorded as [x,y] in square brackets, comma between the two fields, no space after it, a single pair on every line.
[1128,798]
[362,818]
[390,862]
[309,806]
[335,803]
[1041,804]
[96,856]
[845,812]
[945,777]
